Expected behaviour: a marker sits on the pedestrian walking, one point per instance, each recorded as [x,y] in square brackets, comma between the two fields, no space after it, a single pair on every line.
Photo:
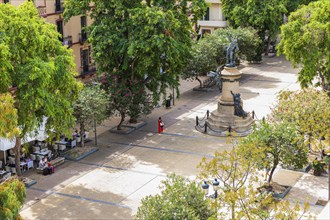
[160,125]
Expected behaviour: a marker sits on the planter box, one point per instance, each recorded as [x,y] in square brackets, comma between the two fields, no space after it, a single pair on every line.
[305,169]
[283,194]
[68,157]
[128,128]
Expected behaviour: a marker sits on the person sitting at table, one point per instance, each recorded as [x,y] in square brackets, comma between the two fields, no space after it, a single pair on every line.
[41,164]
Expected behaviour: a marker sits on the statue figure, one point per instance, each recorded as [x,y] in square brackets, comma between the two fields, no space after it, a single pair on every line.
[231,50]
[238,106]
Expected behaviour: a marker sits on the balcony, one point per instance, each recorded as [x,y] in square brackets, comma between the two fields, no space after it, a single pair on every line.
[82,37]
[67,41]
[214,24]
[59,7]
[42,11]
[85,70]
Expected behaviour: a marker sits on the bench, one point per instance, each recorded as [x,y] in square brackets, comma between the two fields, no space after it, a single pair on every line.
[56,162]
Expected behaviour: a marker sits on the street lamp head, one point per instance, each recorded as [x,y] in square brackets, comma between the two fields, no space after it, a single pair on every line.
[205,187]
[215,184]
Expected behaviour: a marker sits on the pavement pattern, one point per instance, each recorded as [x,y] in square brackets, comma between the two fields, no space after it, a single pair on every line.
[110,183]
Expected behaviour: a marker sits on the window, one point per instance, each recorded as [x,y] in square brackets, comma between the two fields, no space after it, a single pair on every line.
[83,23]
[84,56]
[59,25]
[206,17]
[58,6]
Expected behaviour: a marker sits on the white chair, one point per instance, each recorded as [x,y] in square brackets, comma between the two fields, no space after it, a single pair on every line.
[8,168]
[13,170]
[11,152]
[35,149]
[55,147]
[30,164]
[33,157]
[40,157]
[61,147]
[73,143]
[78,139]
[11,160]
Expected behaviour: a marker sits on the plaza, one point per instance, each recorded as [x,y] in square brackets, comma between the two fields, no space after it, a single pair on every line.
[110,183]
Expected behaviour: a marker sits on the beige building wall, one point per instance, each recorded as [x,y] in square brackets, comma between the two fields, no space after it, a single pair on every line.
[71,33]
[214,19]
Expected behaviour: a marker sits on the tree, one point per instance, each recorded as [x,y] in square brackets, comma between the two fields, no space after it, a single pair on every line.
[279,143]
[309,111]
[146,41]
[266,16]
[12,197]
[305,42]
[209,52]
[40,69]
[179,199]
[239,197]
[90,109]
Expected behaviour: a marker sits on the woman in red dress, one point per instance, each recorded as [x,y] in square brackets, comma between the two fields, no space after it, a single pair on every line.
[160,125]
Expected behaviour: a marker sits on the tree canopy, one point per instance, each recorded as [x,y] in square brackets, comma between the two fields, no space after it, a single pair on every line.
[8,116]
[306,42]
[308,110]
[209,52]
[90,108]
[146,41]
[39,68]
[179,199]
[277,143]
[12,197]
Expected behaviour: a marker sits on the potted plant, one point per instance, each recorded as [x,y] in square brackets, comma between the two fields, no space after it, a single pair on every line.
[318,167]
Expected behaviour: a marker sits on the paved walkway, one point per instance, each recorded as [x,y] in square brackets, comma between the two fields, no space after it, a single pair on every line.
[110,183]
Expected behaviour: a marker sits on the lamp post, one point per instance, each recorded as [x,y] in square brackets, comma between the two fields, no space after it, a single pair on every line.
[214,196]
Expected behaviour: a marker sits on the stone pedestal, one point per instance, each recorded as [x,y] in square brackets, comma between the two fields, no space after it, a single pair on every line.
[223,122]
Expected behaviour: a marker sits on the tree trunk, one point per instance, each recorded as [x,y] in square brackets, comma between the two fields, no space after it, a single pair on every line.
[233,211]
[82,133]
[200,82]
[17,151]
[271,173]
[329,180]
[267,48]
[121,121]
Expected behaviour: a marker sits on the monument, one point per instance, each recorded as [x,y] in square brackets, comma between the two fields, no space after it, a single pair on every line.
[230,116]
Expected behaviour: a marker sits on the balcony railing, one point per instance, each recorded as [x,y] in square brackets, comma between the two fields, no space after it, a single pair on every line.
[67,41]
[82,37]
[42,11]
[84,70]
[59,7]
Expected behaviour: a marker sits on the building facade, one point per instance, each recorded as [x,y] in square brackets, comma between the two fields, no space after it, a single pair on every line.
[73,34]
[213,18]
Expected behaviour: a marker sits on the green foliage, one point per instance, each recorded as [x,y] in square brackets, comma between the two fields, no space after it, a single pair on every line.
[90,108]
[40,69]
[210,51]
[266,16]
[179,199]
[306,41]
[309,110]
[140,40]
[279,143]
[8,116]
[12,197]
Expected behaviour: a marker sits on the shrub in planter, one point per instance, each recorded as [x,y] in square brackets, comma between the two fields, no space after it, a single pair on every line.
[318,167]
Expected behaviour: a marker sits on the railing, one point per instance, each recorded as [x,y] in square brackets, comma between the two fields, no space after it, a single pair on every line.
[42,11]
[67,41]
[84,70]
[59,7]
[204,126]
[82,37]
